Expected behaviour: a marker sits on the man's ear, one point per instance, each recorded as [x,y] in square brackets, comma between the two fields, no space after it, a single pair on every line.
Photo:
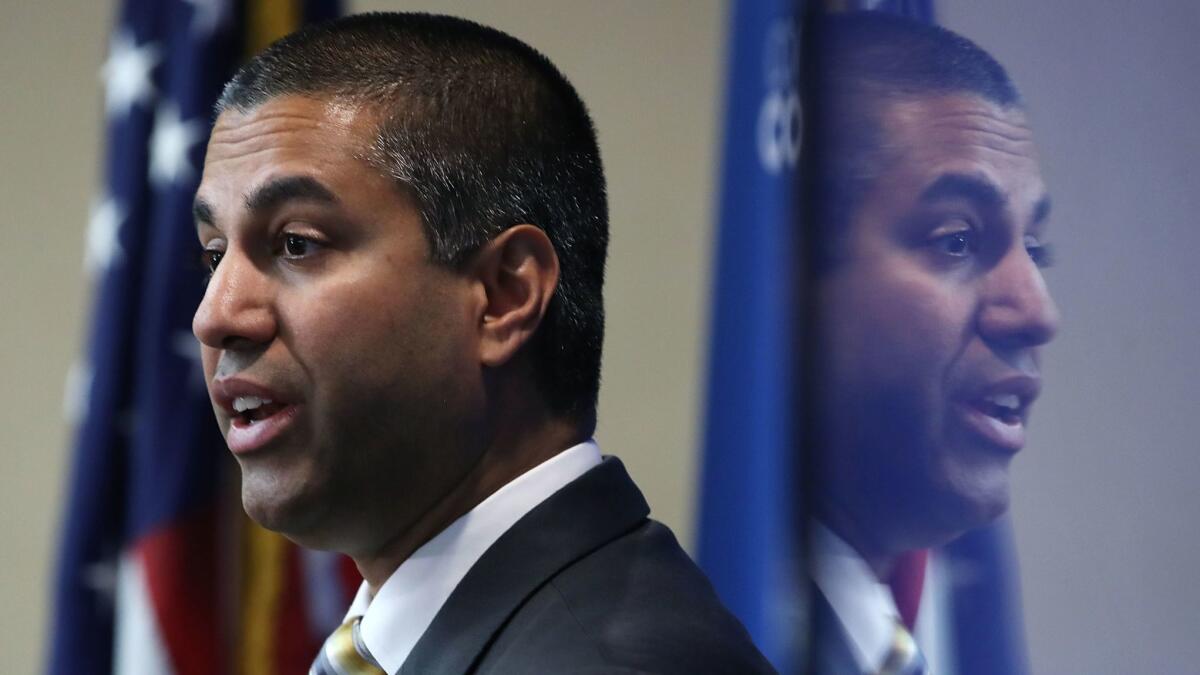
[518,272]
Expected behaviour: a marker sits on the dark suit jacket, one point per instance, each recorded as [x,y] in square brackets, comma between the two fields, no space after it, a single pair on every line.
[829,652]
[585,583]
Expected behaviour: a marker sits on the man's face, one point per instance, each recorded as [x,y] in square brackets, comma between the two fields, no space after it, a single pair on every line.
[324,300]
[931,324]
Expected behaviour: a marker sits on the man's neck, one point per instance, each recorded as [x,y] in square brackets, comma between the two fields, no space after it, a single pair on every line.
[506,457]
[852,531]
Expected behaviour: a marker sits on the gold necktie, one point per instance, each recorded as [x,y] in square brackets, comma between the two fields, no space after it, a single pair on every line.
[345,654]
[904,658]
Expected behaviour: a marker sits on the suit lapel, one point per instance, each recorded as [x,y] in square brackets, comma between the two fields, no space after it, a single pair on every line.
[589,512]
[831,652]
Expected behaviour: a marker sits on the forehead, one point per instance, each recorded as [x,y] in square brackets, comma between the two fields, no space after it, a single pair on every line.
[289,135]
[926,137]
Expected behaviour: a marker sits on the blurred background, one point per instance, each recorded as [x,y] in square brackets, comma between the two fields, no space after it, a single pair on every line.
[1105,500]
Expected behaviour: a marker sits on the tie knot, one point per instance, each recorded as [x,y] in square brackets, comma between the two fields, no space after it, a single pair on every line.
[349,625]
[904,658]
[344,653]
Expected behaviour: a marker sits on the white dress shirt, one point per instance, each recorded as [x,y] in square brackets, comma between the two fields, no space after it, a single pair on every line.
[865,607]
[862,604]
[405,605]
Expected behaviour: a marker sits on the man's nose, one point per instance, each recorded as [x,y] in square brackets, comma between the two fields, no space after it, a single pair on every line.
[236,311]
[1017,309]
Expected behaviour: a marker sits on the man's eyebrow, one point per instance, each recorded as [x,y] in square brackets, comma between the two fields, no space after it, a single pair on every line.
[274,193]
[202,212]
[270,196]
[961,185]
[1041,210]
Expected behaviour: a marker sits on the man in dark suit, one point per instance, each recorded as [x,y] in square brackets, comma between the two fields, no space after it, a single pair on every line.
[930,307]
[405,222]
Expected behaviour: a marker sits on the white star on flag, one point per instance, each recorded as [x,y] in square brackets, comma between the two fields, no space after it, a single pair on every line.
[101,578]
[170,143]
[126,73]
[78,391]
[208,16]
[103,246]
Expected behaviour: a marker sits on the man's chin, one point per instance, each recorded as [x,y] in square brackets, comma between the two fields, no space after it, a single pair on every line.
[940,511]
[972,486]
[964,511]
[296,517]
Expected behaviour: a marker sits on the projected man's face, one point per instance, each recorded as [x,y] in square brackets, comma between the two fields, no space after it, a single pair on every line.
[931,325]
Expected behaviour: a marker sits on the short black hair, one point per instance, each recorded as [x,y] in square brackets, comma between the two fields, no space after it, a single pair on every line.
[486,134]
[856,64]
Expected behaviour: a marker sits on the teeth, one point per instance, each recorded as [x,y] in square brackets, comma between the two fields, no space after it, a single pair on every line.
[243,403]
[1009,401]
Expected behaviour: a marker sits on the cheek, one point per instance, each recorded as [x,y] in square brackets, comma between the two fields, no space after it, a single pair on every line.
[871,328]
[359,340]
[343,331]
[892,343]
[915,325]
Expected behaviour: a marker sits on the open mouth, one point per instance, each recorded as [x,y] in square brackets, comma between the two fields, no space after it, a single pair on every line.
[999,420]
[1007,408]
[256,418]
[251,409]
[258,422]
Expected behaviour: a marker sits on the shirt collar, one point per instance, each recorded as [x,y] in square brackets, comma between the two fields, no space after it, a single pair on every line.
[863,605]
[394,620]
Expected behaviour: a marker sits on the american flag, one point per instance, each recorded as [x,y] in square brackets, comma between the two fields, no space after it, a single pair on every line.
[159,571]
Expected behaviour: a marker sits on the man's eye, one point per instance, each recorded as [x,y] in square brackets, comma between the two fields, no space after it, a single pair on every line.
[958,244]
[210,258]
[1041,254]
[296,246]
